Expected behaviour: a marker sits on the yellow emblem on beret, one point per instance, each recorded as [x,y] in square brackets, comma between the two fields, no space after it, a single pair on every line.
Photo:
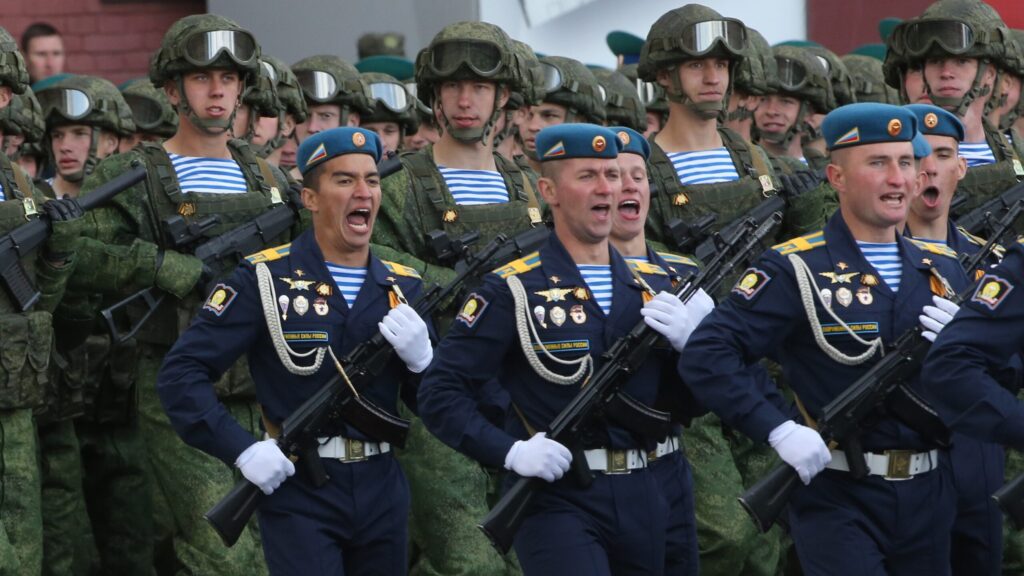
[358,139]
[624,137]
[894,127]
[599,143]
[931,120]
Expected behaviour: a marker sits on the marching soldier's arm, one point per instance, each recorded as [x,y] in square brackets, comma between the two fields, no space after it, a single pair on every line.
[224,329]
[968,370]
[717,361]
[469,356]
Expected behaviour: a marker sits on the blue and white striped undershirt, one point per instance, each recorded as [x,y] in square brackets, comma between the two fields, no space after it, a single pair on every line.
[2,195]
[599,279]
[976,153]
[704,166]
[348,279]
[208,175]
[475,187]
[885,257]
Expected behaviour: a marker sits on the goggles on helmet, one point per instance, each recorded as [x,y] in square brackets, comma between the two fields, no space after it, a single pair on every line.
[203,48]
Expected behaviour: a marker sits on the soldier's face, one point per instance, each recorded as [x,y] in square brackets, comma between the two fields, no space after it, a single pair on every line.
[45,57]
[582,194]
[266,129]
[29,164]
[70,147]
[776,114]
[427,134]
[1011,88]
[212,94]
[705,79]
[953,77]
[467,103]
[538,118]
[240,127]
[321,117]
[942,170]
[631,209]
[875,183]
[913,84]
[390,134]
[11,143]
[653,124]
[346,201]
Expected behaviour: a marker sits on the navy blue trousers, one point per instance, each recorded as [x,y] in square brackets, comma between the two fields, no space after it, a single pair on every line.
[356,524]
[977,543]
[682,556]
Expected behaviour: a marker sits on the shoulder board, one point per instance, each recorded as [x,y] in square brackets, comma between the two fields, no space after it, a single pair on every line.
[524,264]
[676,259]
[270,254]
[645,267]
[971,237]
[940,249]
[801,244]
[400,269]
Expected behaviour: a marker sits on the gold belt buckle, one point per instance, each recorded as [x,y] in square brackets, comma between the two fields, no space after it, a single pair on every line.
[355,450]
[617,462]
[899,464]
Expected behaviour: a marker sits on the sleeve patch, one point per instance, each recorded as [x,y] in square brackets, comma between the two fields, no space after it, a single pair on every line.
[472,309]
[219,300]
[751,283]
[991,291]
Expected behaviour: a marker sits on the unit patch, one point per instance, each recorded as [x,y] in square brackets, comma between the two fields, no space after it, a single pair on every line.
[219,300]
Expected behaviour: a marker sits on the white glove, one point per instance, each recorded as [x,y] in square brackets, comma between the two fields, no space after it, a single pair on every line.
[668,316]
[699,306]
[538,457]
[265,465]
[935,318]
[800,447]
[403,328]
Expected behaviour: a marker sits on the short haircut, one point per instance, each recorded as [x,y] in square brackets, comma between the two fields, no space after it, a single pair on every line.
[311,179]
[37,30]
[551,169]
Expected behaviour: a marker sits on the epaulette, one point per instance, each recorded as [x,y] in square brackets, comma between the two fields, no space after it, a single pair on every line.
[801,244]
[524,264]
[676,259]
[270,254]
[645,267]
[940,249]
[970,237]
[400,269]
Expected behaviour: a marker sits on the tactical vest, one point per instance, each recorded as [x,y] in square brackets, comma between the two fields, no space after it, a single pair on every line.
[727,200]
[167,199]
[439,211]
[815,159]
[982,183]
[25,337]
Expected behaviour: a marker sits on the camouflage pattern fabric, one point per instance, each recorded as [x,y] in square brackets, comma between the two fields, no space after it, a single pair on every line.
[67,536]
[20,508]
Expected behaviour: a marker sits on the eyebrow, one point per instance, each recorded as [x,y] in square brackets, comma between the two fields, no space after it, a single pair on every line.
[338,173]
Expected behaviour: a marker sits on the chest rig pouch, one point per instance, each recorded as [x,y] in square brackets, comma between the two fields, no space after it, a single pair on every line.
[982,183]
[725,201]
[215,214]
[440,212]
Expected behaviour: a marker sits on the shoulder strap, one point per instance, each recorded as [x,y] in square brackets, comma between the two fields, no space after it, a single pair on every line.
[524,187]
[253,171]
[755,160]
[14,183]
[268,177]
[662,172]
[160,164]
[425,177]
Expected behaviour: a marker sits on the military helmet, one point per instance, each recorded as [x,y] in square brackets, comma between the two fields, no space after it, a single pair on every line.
[868,80]
[327,79]
[204,41]
[967,28]
[13,72]
[838,75]
[261,95]
[571,84]
[151,111]
[24,116]
[692,31]
[622,106]
[652,94]
[289,93]
[87,100]
[531,76]
[757,74]
[802,75]
[391,102]
[467,50]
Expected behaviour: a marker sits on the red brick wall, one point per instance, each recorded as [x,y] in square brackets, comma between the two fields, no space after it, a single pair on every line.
[112,40]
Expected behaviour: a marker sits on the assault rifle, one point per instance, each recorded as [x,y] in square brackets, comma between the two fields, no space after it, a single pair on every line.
[24,239]
[340,400]
[979,220]
[181,233]
[602,392]
[850,414]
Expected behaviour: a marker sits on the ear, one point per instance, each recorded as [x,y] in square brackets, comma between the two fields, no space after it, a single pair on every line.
[836,177]
[107,144]
[171,90]
[5,96]
[504,96]
[288,126]
[353,119]
[547,190]
[961,167]
[919,182]
[310,199]
[662,77]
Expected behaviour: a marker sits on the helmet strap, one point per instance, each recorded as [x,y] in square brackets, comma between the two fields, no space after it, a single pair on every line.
[705,110]
[960,105]
[212,126]
[90,160]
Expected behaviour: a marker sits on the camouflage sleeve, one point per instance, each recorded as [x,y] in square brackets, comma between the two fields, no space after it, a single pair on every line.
[431,273]
[809,211]
[52,281]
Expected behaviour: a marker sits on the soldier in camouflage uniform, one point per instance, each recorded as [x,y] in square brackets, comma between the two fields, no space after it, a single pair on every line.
[259,101]
[757,75]
[154,118]
[622,105]
[842,91]
[449,491]
[291,112]
[23,127]
[652,96]
[508,140]
[203,64]
[962,43]
[571,94]
[27,344]
[394,111]
[85,118]
[783,120]
[868,80]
